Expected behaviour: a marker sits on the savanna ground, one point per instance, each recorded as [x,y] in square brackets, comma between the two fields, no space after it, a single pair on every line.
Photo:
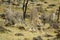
[29,29]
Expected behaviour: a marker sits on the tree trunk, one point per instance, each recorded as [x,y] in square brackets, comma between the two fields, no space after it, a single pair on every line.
[25,8]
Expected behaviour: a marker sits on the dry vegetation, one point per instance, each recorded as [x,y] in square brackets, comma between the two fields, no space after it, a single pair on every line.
[32,20]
